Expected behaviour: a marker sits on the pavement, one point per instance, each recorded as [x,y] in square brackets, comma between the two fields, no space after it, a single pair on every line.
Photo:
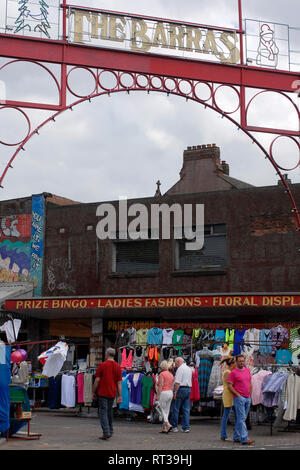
[71,429]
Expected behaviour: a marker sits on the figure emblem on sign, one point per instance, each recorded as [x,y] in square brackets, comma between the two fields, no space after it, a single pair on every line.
[27,17]
[267,50]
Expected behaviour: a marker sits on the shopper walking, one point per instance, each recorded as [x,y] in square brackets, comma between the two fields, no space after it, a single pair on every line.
[182,392]
[227,398]
[108,384]
[239,384]
[165,393]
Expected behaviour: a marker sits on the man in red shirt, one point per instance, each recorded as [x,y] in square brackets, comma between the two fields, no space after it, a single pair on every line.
[107,383]
[239,384]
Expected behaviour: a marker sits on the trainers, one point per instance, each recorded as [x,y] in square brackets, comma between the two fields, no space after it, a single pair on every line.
[174,430]
[185,430]
[226,439]
[247,443]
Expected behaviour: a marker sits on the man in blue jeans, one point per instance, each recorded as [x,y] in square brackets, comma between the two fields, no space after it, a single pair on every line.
[182,392]
[108,383]
[239,384]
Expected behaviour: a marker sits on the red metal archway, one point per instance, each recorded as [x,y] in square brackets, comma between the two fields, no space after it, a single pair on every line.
[135,71]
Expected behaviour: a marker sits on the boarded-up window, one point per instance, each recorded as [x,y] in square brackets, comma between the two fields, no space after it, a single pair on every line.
[136,256]
[213,255]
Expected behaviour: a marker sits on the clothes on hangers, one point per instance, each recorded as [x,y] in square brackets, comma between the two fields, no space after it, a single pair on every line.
[124,405]
[283,356]
[88,388]
[229,337]
[127,358]
[178,336]
[122,338]
[257,381]
[271,388]
[80,387]
[251,338]
[265,346]
[132,335]
[142,336]
[147,386]
[53,359]
[167,336]
[11,329]
[279,338]
[238,341]
[205,361]
[68,389]
[295,340]
[195,390]
[155,336]
[138,361]
[215,379]
[292,397]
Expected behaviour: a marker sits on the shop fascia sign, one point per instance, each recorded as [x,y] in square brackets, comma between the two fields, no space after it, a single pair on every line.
[145,34]
[188,301]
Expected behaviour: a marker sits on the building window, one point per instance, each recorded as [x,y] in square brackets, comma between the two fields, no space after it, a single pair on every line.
[212,257]
[140,256]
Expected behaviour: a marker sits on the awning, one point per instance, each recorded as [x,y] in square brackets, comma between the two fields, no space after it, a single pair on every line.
[15,290]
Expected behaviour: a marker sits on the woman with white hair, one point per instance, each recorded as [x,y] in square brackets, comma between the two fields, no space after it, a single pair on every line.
[165,393]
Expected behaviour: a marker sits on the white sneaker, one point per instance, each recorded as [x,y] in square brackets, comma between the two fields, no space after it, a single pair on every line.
[185,430]
[174,429]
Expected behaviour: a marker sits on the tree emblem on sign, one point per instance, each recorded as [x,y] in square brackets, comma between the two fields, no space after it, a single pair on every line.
[26,16]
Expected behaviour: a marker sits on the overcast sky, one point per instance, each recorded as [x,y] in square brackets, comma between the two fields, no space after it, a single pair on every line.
[121,145]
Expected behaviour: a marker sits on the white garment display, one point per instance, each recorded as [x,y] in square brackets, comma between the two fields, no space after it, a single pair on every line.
[68,391]
[168,335]
[11,329]
[53,359]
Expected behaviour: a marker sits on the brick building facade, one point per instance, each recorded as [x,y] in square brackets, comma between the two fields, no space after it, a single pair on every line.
[251,248]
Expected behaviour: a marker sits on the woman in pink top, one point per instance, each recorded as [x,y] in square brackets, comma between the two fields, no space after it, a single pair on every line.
[165,393]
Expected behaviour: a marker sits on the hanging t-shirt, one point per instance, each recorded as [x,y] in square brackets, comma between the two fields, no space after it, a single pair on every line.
[68,388]
[229,337]
[155,336]
[238,341]
[168,335]
[132,335]
[11,329]
[147,385]
[196,332]
[138,357]
[124,405]
[279,338]
[294,345]
[142,336]
[80,388]
[178,336]
[265,343]
[257,381]
[122,338]
[283,356]
[251,338]
[53,359]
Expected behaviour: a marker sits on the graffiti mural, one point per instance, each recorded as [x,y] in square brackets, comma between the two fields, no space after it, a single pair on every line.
[15,234]
[37,242]
[21,246]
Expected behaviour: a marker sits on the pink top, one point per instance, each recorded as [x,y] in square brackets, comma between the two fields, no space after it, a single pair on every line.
[167,380]
[257,380]
[241,379]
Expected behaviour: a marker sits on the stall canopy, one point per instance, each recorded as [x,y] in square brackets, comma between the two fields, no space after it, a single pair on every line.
[5,353]
[15,290]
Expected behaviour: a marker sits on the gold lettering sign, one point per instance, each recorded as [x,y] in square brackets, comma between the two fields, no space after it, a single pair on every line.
[143,35]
